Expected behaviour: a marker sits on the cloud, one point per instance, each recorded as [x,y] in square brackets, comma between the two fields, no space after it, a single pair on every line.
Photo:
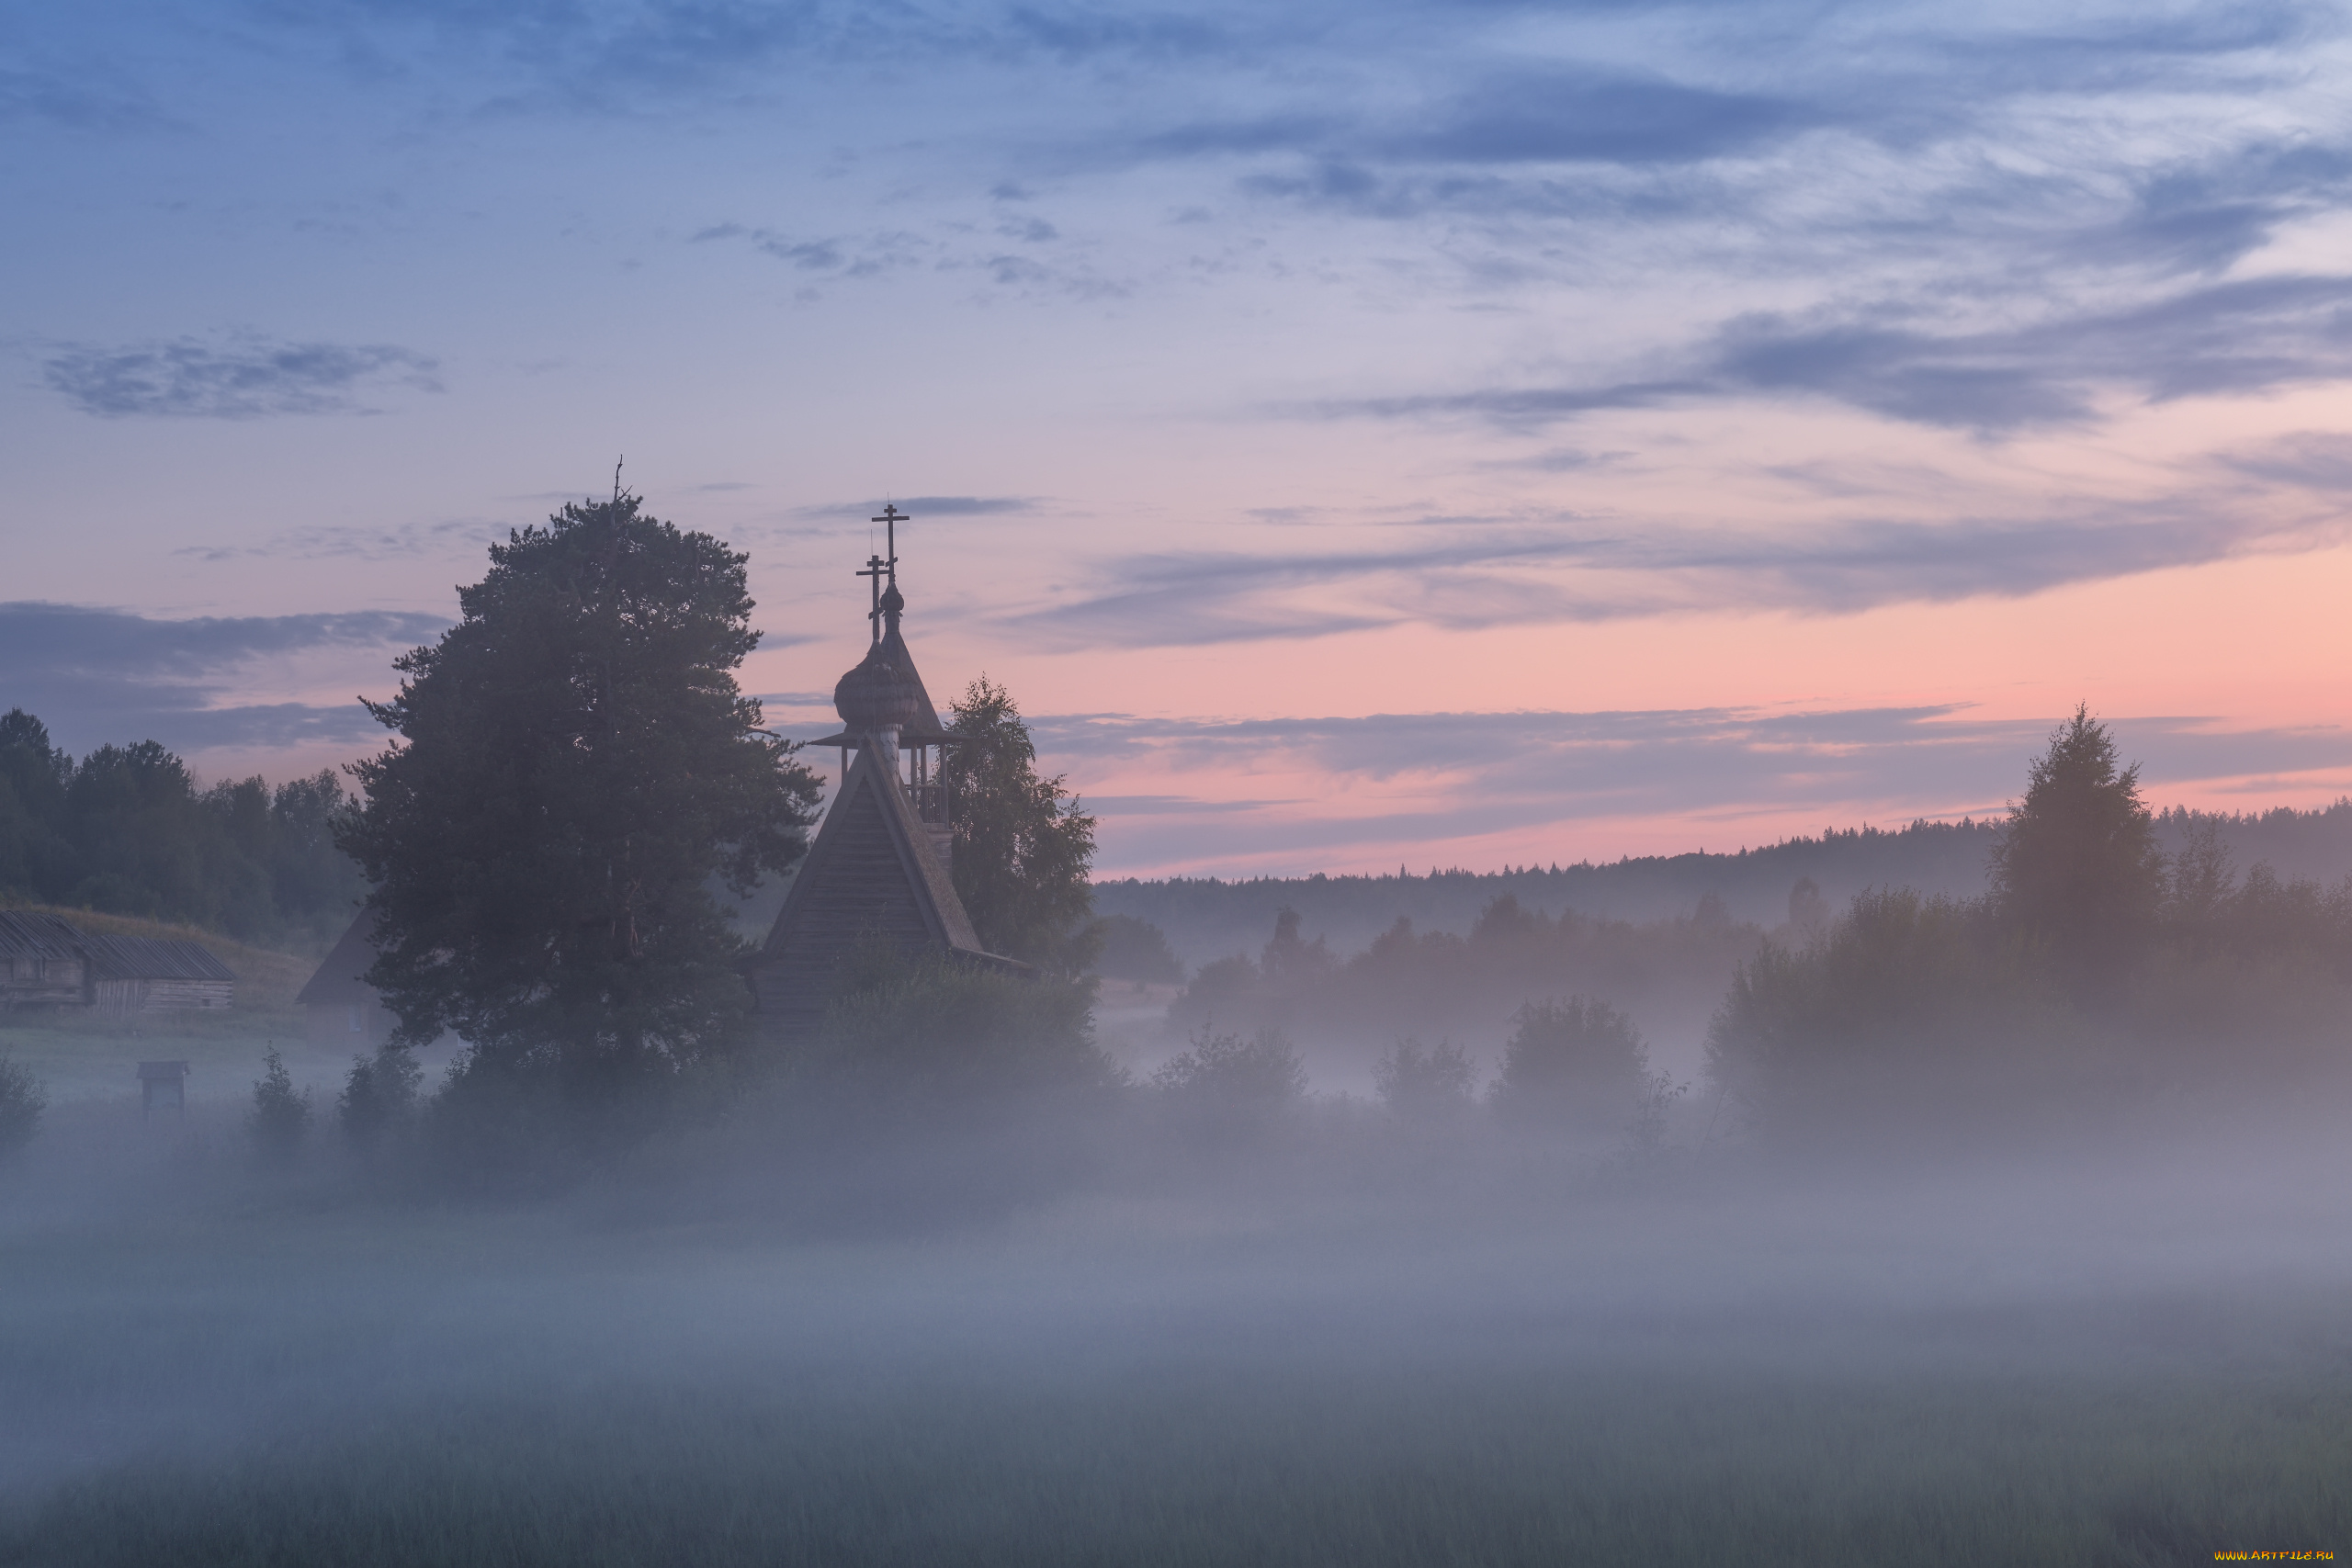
[2313,460]
[2204,215]
[2225,338]
[1523,407]
[77,101]
[882,253]
[620,58]
[1502,119]
[922,506]
[1580,116]
[245,379]
[399,541]
[2246,336]
[98,675]
[1570,572]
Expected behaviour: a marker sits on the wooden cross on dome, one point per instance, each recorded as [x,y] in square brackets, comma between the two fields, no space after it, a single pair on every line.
[876,569]
[890,519]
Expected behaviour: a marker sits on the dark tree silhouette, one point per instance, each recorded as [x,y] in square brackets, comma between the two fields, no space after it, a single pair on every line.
[1022,847]
[1579,1062]
[576,767]
[2076,866]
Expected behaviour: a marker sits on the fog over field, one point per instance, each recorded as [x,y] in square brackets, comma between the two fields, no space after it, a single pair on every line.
[1328,1341]
[1905,1228]
[1067,783]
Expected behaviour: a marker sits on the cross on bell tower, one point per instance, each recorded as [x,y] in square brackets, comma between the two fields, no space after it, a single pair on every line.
[877,568]
[890,519]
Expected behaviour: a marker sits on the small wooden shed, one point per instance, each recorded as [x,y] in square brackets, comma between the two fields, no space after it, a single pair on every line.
[139,974]
[162,1086]
[41,961]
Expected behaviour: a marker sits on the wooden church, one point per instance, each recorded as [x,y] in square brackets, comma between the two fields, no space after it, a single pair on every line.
[880,868]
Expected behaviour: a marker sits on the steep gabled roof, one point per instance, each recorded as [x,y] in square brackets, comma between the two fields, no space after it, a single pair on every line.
[337,981]
[872,869]
[871,875]
[926,727]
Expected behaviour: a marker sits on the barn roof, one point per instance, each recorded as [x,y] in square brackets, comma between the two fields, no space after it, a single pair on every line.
[25,933]
[337,981]
[151,958]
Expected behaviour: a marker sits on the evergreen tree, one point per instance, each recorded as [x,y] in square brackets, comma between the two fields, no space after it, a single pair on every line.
[22,1100]
[380,1094]
[280,1114]
[576,767]
[1022,847]
[2076,866]
[33,774]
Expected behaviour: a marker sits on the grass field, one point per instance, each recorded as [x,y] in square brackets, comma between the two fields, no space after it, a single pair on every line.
[2143,1367]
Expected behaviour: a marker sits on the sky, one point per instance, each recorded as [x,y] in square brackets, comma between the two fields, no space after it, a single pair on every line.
[1421,431]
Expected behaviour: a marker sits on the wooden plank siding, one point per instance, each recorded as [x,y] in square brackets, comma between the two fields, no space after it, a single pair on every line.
[128,996]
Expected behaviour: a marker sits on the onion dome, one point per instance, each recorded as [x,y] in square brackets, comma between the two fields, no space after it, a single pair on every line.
[894,603]
[878,695]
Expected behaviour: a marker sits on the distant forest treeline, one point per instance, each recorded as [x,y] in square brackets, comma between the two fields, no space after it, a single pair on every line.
[126,830]
[1205,918]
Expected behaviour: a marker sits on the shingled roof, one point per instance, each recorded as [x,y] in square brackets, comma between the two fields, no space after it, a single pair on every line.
[151,958]
[27,933]
[871,875]
[338,981]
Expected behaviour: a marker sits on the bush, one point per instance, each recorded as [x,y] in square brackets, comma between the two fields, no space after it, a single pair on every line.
[1425,1087]
[1645,1133]
[22,1101]
[1573,1063]
[934,1030]
[1229,1087]
[1910,1011]
[280,1115]
[1137,950]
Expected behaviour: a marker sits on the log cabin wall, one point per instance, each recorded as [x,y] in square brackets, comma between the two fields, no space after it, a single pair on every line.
[41,962]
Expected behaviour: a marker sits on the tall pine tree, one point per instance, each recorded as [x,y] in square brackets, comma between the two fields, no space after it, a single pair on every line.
[576,768]
[2076,866]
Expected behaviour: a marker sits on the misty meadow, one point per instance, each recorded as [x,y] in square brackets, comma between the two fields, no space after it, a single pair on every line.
[682,1155]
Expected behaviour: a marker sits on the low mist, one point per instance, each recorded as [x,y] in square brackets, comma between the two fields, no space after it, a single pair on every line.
[1137,1321]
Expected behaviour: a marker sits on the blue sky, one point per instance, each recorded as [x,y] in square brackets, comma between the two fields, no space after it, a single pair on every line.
[1480,431]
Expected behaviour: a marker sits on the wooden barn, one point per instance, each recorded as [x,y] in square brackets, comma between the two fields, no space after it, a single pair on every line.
[338,1007]
[41,962]
[46,959]
[878,870]
[139,974]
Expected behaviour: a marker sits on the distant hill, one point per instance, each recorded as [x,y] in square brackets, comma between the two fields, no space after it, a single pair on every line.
[1205,918]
